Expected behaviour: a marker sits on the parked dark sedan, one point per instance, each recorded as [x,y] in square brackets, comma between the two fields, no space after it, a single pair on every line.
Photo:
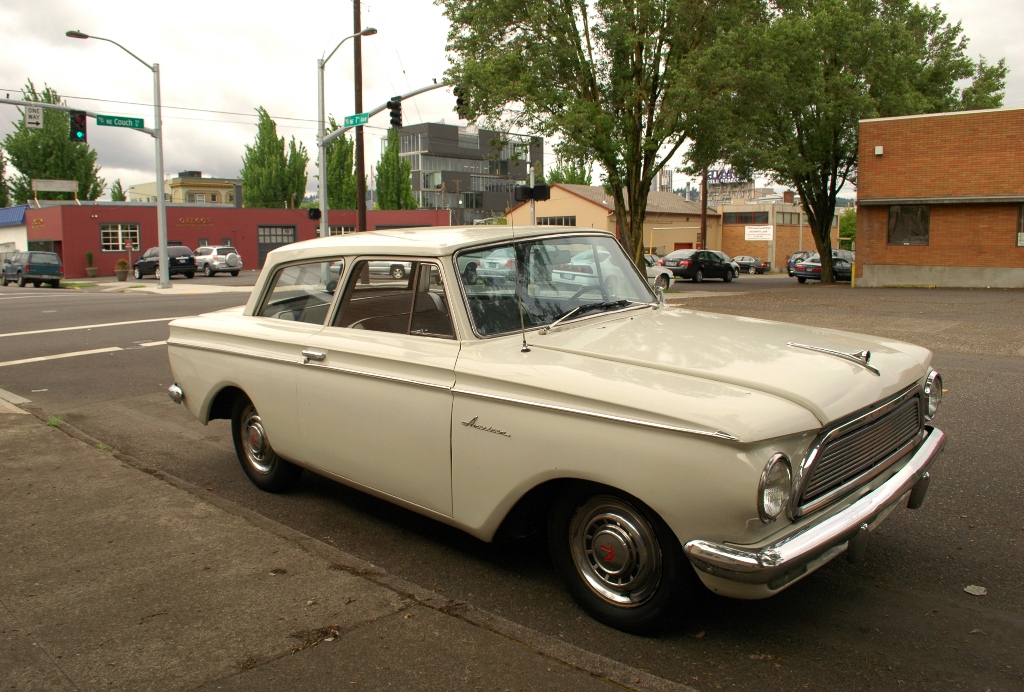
[752,265]
[180,260]
[36,268]
[698,265]
[810,268]
[796,257]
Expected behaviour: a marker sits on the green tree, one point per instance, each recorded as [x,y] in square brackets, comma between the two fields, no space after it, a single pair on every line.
[270,176]
[341,176]
[394,177]
[48,154]
[608,77]
[799,85]
[5,195]
[848,225]
[570,172]
[116,192]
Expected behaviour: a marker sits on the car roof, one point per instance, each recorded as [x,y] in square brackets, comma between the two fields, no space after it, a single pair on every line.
[432,241]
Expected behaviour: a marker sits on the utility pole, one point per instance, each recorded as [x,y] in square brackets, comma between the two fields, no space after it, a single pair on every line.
[357,52]
[704,210]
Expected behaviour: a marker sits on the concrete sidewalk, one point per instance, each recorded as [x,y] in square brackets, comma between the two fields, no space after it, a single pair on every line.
[114,575]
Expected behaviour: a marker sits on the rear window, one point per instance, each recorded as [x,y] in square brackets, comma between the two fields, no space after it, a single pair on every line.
[226,250]
[43,258]
[178,251]
[680,253]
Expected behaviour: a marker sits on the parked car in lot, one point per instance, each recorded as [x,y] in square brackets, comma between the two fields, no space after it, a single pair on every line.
[796,257]
[810,266]
[725,258]
[768,449]
[752,265]
[211,259]
[657,274]
[698,265]
[180,260]
[33,267]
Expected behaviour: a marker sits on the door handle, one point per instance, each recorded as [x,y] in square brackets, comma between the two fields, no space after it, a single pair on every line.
[308,355]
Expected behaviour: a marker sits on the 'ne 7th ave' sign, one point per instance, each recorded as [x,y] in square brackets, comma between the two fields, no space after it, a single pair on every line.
[118,121]
[357,119]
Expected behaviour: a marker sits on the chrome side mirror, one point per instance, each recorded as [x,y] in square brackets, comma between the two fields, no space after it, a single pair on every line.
[661,296]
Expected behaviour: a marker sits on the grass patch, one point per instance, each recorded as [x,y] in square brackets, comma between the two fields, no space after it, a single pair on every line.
[105,448]
[54,422]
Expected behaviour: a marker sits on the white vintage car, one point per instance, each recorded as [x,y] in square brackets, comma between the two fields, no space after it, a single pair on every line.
[653,443]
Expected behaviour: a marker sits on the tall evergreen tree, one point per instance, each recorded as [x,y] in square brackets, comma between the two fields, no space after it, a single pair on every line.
[394,177]
[48,154]
[5,195]
[341,177]
[116,192]
[270,176]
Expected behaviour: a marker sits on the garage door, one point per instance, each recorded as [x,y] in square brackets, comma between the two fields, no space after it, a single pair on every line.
[270,237]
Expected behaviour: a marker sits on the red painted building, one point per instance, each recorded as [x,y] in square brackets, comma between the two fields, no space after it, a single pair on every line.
[104,229]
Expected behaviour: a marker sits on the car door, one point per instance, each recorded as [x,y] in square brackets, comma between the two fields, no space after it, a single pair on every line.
[375,395]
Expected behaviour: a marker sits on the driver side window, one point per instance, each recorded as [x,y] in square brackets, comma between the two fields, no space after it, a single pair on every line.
[413,301]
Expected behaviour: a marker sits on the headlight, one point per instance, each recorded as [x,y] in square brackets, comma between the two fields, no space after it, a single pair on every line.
[933,393]
[774,489]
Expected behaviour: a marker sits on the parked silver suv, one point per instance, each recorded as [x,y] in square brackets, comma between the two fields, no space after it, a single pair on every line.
[211,259]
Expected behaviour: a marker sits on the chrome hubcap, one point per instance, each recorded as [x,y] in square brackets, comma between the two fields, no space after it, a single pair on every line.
[254,441]
[615,551]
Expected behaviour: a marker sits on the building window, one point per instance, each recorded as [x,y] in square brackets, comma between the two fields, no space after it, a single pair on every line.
[203,242]
[231,198]
[197,198]
[114,236]
[734,217]
[556,221]
[1020,226]
[787,218]
[909,224]
[340,230]
[226,241]
[277,235]
[213,196]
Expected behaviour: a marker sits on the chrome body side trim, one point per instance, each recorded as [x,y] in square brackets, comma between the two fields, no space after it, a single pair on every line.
[821,441]
[861,358]
[379,376]
[604,416]
[770,564]
[215,349]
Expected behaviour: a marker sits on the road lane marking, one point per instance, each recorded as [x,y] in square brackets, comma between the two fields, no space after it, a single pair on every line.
[88,326]
[40,359]
[153,343]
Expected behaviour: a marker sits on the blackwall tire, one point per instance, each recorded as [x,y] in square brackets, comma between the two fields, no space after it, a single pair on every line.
[751,270]
[661,282]
[802,279]
[21,281]
[698,277]
[234,273]
[619,560]
[207,272]
[728,277]
[137,273]
[265,469]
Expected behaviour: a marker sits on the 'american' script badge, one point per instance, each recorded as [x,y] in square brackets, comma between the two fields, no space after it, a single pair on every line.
[473,424]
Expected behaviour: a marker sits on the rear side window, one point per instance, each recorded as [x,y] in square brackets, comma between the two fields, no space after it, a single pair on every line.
[301,292]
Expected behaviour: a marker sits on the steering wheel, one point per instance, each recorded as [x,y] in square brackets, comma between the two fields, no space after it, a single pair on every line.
[574,299]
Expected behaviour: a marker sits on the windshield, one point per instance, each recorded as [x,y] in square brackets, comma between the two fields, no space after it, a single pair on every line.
[558,279]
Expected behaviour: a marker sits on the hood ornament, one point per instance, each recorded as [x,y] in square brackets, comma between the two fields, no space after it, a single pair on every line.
[861,358]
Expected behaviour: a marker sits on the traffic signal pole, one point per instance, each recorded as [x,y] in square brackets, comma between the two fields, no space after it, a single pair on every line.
[382,107]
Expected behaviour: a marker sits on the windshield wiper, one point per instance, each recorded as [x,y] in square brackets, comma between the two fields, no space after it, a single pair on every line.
[589,307]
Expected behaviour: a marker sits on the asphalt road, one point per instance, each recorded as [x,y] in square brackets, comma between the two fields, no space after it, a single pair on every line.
[901,620]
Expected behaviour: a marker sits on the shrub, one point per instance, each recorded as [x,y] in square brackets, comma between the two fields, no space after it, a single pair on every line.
[88,258]
[121,264]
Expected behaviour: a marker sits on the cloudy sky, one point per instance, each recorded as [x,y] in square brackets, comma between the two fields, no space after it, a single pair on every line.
[219,61]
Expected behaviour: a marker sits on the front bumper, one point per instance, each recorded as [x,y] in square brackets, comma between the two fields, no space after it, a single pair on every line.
[783,561]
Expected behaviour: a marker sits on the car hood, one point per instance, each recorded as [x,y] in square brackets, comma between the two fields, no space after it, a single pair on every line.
[747,353]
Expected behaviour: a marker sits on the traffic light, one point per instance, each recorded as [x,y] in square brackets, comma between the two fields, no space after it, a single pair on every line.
[395,106]
[77,131]
[460,101]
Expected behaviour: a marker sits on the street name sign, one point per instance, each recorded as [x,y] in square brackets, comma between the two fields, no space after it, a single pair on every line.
[119,121]
[34,117]
[357,119]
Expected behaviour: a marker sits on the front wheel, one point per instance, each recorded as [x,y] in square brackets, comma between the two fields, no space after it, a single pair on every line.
[265,469]
[398,272]
[661,282]
[137,273]
[469,274]
[728,276]
[619,560]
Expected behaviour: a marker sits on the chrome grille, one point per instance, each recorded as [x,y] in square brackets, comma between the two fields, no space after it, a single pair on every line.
[860,450]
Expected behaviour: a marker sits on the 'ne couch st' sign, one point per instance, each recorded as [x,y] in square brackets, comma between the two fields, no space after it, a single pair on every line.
[118,121]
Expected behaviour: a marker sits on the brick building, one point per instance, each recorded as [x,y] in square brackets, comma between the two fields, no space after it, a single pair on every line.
[71,230]
[940,200]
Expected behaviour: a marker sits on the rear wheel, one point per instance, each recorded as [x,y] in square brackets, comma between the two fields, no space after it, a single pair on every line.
[751,270]
[398,272]
[21,280]
[55,284]
[469,273]
[698,277]
[207,271]
[260,462]
[37,284]
[619,560]
[234,273]
[802,279]
[190,275]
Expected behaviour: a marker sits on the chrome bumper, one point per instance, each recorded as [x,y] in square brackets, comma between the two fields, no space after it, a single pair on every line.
[174,391]
[789,558]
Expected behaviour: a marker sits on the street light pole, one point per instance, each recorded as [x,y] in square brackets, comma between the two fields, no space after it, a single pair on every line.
[161,208]
[321,144]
